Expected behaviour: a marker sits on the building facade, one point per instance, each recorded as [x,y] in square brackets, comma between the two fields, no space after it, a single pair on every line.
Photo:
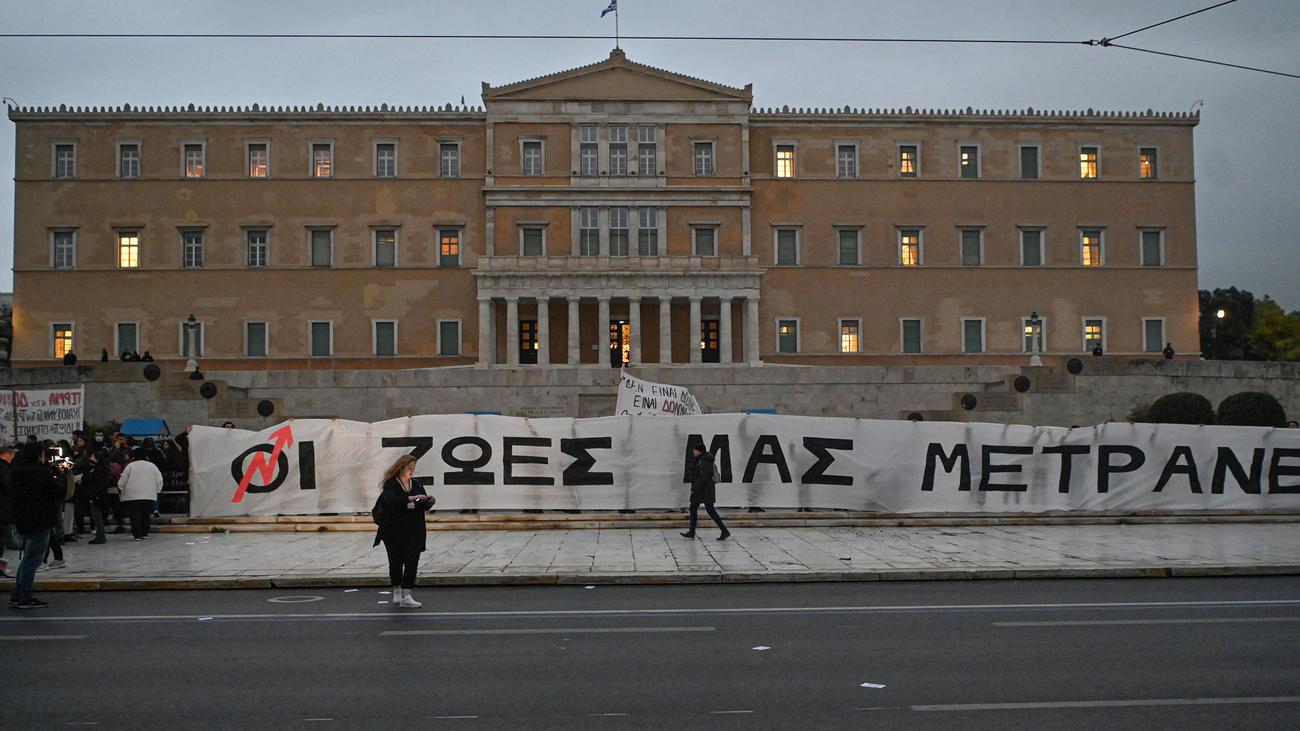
[614,213]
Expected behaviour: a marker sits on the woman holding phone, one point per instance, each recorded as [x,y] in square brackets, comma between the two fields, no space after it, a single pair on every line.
[404,504]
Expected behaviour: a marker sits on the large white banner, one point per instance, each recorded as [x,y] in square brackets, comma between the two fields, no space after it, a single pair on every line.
[46,414]
[315,466]
[647,398]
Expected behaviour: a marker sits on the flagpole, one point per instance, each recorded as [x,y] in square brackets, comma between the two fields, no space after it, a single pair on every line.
[616,25]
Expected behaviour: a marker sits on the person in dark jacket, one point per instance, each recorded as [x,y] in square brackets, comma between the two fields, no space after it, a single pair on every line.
[38,493]
[95,478]
[699,471]
[6,507]
[403,502]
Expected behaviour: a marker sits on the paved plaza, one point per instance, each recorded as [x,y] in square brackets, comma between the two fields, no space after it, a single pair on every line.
[652,555]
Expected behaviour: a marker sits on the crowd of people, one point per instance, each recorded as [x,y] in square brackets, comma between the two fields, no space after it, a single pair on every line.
[56,493]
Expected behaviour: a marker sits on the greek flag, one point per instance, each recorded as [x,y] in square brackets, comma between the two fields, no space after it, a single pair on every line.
[613,7]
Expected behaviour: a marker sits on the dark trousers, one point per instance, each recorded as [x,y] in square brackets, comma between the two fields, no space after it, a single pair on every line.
[97,519]
[114,503]
[708,508]
[81,511]
[55,544]
[403,560]
[141,511]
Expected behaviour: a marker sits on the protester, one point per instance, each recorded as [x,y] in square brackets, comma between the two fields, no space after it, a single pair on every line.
[703,490]
[228,425]
[1293,424]
[95,477]
[403,503]
[139,486]
[6,507]
[37,494]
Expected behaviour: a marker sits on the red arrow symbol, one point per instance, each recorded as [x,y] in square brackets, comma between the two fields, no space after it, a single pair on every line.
[263,465]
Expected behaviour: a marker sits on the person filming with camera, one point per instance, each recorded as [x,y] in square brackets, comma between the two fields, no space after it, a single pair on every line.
[38,489]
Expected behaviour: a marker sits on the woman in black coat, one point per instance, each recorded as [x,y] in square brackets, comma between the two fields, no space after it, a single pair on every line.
[403,504]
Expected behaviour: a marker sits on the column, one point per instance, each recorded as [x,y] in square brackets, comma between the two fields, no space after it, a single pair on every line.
[634,317]
[543,330]
[575,340]
[665,330]
[751,330]
[512,331]
[489,246]
[746,247]
[724,330]
[602,330]
[695,331]
[485,322]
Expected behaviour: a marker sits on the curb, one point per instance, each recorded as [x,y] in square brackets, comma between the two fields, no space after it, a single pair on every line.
[662,578]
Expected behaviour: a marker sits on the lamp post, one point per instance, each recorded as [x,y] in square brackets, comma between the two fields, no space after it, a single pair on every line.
[191,333]
[1034,331]
[1219,315]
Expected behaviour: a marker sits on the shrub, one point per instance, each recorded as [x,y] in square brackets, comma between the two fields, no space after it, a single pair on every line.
[1183,407]
[1141,413]
[1251,408]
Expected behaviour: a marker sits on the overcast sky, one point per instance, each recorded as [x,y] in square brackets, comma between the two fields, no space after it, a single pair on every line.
[1247,145]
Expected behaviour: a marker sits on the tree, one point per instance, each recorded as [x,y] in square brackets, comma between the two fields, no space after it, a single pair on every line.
[1275,334]
[1225,339]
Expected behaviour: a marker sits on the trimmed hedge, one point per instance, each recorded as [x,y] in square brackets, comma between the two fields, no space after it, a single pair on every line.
[1183,407]
[1251,408]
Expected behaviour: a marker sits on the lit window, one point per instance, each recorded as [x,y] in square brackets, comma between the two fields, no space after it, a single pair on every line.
[969,161]
[1032,340]
[385,248]
[533,242]
[128,249]
[322,160]
[909,248]
[1147,169]
[61,335]
[588,150]
[65,249]
[449,159]
[849,336]
[194,160]
[256,249]
[128,160]
[1152,248]
[259,160]
[703,158]
[618,231]
[646,151]
[1088,163]
[1094,332]
[787,336]
[907,161]
[647,232]
[785,161]
[449,247]
[848,246]
[846,161]
[532,157]
[1090,248]
[192,249]
[385,160]
[972,248]
[322,247]
[65,161]
[706,242]
[618,150]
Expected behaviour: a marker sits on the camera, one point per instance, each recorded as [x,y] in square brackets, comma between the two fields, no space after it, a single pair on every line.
[58,459]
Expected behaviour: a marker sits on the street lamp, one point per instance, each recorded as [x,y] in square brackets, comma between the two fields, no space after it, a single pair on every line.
[1219,316]
[191,340]
[1033,331]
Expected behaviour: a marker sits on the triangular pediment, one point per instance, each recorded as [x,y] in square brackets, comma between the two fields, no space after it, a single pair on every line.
[616,78]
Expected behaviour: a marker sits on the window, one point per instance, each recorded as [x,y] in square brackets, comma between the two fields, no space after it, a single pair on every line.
[65,161]
[646,151]
[321,335]
[848,246]
[704,158]
[588,150]
[533,242]
[195,159]
[968,161]
[256,249]
[1032,339]
[532,157]
[1094,334]
[618,150]
[127,338]
[1031,247]
[255,339]
[385,247]
[322,159]
[1153,248]
[647,232]
[1147,167]
[1029,162]
[64,254]
[1153,335]
[385,160]
[909,247]
[589,231]
[192,249]
[846,161]
[449,247]
[972,247]
[128,159]
[128,249]
[61,338]
[385,337]
[449,337]
[706,243]
[849,331]
[449,159]
[972,335]
[322,247]
[259,159]
[785,161]
[909,161]
[618,232]
[185,341]
[1088,163]
[1090,247]
[787,247]
[787,336]
[911,339]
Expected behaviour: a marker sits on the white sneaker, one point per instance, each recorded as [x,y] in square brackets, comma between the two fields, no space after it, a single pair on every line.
[57,565]
[408,601]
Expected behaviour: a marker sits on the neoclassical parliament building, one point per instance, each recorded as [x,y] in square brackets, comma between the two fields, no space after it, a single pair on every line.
[608,214]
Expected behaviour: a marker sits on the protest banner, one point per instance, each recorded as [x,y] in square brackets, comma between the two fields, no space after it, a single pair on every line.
[46,414]
[646,398]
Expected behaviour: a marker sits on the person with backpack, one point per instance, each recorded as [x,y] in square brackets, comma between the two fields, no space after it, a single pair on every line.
[399,513]
[703,478]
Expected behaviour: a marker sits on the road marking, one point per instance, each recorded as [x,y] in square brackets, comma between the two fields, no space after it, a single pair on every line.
[82,723]
[446,718]
[23,638]
[864,609]
[1102,622]
[597,715]
[318,719]
[1109,704]
[542,631]
[295,599]
[719,712]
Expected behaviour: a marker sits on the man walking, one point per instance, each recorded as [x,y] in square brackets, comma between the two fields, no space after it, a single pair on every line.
[699,471]
[38,496]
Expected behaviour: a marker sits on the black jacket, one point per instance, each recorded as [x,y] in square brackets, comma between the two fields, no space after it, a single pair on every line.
[38,497]
[94,480]
[700,474]
[404,524]
[6,502]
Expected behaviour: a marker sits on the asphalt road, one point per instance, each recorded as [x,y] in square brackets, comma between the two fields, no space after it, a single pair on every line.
[1186,653]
